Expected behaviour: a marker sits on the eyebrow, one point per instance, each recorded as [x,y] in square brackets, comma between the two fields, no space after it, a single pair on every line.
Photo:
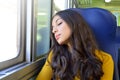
[57,19]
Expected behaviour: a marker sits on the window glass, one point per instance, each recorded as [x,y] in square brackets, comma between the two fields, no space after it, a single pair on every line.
[60,5]
[117,14]
[8,29]
[42,23]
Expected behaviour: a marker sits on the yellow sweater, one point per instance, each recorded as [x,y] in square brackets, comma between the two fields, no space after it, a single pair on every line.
[108,67]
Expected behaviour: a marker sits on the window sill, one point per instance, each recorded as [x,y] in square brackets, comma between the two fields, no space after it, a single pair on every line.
[22,71]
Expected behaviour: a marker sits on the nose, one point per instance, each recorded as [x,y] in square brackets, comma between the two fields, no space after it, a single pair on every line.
[54,30]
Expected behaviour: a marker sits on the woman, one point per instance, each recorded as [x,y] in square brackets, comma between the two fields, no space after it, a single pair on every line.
[74,54]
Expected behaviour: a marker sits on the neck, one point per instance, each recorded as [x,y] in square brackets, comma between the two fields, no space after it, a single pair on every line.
[69,47]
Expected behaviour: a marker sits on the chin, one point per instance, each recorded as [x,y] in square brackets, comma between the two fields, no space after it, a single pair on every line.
[60,43]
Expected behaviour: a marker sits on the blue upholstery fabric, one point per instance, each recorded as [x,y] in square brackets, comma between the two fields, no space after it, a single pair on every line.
[103,23]
[118,34]
[118,46]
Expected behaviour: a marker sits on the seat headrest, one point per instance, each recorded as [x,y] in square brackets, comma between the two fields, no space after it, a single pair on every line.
[102,22]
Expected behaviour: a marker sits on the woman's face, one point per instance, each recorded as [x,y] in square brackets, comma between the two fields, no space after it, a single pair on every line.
[61,30]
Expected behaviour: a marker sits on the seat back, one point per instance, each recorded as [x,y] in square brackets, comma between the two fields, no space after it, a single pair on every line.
[118,46]
[103,23]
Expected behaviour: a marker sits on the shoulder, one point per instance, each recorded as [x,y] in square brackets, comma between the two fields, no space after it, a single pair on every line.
[107,66]
[50,56]
[104,56]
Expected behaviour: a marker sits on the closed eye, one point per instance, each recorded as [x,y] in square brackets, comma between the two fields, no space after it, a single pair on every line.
[60,23]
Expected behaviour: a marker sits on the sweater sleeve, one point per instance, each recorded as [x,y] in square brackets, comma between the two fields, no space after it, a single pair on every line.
[46,71]
[108,66]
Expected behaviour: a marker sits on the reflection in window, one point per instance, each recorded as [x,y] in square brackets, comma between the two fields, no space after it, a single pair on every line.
[42,14]
[8,29]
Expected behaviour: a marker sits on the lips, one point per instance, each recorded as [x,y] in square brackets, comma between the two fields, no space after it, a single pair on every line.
[57,36]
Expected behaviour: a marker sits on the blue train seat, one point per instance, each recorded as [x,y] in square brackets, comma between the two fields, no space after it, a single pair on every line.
[118,34]
[103,23]
[118,46]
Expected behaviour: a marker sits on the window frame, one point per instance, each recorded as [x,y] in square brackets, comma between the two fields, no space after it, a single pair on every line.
[21,38]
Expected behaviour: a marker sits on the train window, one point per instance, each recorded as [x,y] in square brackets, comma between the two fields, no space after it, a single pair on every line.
[60,5]
[8,30]
[42,17]
[117,14]
[11,33]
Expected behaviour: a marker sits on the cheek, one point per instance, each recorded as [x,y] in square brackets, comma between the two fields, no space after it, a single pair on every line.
[66,36]
[68,32]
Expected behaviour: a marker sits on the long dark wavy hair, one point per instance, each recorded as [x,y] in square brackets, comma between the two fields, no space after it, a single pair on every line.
[81,62]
